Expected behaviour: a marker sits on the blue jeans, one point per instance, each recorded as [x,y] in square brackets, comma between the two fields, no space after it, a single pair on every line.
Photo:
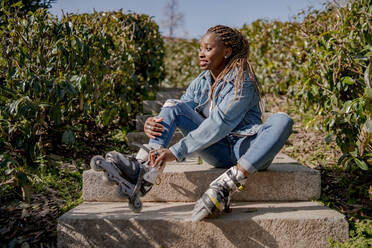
[253,153]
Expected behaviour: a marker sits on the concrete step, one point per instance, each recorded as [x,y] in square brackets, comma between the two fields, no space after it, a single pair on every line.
[152,107]
[140,122]
[280,225]
[141,138]
[169,94]
[285,180]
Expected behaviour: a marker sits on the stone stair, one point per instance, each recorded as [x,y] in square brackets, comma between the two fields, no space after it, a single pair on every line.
[276,208]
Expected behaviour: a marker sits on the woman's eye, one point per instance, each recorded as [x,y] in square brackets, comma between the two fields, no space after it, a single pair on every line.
[209,49]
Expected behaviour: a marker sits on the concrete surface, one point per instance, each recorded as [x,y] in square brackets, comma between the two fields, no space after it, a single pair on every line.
[274,225]
[152,107]
[285,180]
[140,122]
[170,94]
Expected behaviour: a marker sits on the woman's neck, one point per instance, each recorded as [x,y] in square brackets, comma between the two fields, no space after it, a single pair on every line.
[214,75]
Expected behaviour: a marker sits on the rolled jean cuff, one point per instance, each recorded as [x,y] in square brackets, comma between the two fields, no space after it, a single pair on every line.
[247,166]
[176,154]
[154,145]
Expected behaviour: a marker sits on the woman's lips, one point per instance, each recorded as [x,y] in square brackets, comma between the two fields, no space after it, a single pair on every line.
[203,63]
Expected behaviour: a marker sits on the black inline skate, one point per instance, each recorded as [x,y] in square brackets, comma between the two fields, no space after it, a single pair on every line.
[133,176]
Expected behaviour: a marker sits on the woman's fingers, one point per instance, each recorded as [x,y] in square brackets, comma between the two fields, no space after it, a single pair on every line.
[158,119]
[165,155]
[160,160]
[152,156]
[154,125]
[152,134]
[153,128]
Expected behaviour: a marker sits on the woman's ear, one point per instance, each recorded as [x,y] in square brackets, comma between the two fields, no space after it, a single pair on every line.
[228,52]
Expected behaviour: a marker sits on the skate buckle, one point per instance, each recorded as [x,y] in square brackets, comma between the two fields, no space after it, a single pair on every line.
[241,188]
[158,181]
[215,202]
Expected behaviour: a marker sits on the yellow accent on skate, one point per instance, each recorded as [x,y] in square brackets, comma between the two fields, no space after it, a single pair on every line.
[215,202]
[241,188]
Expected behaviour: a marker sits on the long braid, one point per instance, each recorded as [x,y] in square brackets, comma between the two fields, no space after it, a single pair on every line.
[238,59]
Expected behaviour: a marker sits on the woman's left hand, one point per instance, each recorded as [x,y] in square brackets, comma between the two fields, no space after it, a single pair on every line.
[159,157]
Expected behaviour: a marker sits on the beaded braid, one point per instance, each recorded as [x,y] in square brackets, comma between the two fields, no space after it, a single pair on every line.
[238,58]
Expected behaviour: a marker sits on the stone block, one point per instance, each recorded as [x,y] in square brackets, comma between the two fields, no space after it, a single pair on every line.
[284,180]
[170,94]
[152,107]
[277,225]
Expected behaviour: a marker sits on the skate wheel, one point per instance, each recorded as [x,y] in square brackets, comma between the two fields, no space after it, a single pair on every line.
[136,205]
[95,163]
[199,215]
[106,179]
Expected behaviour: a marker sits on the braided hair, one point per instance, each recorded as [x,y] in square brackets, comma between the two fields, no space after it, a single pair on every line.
[238,59]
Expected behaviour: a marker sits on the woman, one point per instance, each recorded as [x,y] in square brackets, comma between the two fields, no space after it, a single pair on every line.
[220,118]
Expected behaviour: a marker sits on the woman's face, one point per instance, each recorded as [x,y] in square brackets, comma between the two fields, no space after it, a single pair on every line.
[212,54]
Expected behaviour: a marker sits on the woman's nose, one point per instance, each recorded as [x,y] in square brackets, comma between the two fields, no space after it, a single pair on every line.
[201,54]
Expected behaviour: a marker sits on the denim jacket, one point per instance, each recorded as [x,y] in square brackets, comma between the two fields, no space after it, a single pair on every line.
[239,116]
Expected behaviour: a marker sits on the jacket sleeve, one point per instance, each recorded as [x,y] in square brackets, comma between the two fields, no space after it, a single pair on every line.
[224,117]
[188,96]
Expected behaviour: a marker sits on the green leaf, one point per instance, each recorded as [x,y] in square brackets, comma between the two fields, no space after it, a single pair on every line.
[68,137]
[368,75]
[9,171]
[368,126]
[361,164]
[18,4]
[347,80]
[369,93]
[353,154]
[347,106]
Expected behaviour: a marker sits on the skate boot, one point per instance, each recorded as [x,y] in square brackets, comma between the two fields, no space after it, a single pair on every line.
[216,199]
[134,177]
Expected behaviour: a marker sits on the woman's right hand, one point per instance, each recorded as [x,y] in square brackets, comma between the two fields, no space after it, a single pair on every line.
[153,127]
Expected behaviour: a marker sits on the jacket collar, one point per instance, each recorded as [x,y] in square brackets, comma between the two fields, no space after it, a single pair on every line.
[228,78]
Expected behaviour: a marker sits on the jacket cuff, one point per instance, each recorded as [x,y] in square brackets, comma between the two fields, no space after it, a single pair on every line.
[177,152]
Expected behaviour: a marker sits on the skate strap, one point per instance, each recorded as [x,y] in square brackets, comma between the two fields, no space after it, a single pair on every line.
[236,182]
[139,182]
[141,146]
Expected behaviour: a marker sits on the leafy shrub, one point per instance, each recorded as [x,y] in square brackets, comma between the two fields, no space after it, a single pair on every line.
[324,64]
[61,79]
[334,79]
[360,236]
[181,62]
[275,51]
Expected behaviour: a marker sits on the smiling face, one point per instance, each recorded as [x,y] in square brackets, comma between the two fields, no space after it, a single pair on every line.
[212,54]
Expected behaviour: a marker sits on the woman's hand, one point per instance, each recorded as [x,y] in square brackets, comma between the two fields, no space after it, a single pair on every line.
[153,127]
[159,157]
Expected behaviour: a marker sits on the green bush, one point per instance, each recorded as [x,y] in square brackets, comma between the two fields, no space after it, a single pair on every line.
[334,79]
[324,63]
[275,51]
[60,80]
[181,62]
